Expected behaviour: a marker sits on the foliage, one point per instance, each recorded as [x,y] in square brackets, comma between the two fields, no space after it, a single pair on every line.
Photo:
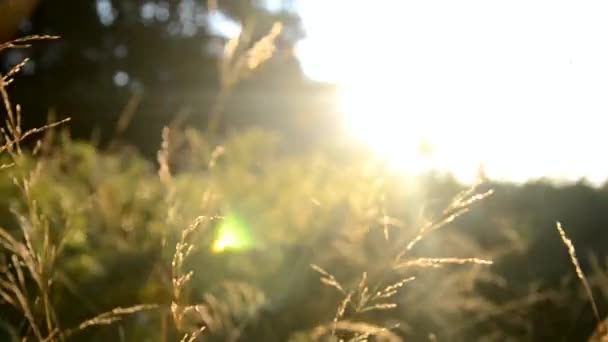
[300,211]
[234,239]
[164,52]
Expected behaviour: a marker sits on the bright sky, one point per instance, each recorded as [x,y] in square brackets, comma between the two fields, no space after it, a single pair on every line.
[520,85]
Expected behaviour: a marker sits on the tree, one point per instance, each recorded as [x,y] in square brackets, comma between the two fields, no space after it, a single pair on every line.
[166,51]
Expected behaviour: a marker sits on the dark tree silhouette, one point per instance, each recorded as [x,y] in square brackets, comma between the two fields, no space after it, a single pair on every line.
[166,51]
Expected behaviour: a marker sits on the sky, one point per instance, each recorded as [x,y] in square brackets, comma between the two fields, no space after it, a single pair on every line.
[520,87]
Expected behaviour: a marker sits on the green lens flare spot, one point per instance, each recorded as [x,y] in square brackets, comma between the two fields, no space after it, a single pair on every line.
[232,234]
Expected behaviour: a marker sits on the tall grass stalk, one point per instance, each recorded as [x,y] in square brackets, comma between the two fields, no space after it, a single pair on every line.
[237,62]
[360,299]
[602,329]
[31,258]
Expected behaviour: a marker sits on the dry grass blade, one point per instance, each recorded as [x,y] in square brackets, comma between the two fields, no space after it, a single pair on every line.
[465,202]
[183,248]
[459,206]
[44,128]
[391,290]
[13,289]
[237,64]
[320,270]
[110,317]
[217,153]
[364,337]
[341,310]
[367,329]
[381,306]
[128,113]
[192,336]
[11,142]
[26,277]
[438,262]
[579,272]
[14,70]
[24,42]
[6,166]
[262,50]
[180,278]
[164,171]
[328,279]
[14,119]
[374,301]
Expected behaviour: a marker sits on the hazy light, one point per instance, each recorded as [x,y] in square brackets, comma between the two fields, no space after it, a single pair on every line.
[232,234]
[106,12]
[162,11]
[147,11]
[121,78]
[222,25]
[520,86]
[271,5]
[120,51]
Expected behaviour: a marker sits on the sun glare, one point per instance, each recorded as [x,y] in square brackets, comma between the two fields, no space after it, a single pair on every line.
[518,87]
[233,234]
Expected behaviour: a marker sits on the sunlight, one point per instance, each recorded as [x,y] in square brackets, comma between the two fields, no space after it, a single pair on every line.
[376,118]
[471,82]
[232,234]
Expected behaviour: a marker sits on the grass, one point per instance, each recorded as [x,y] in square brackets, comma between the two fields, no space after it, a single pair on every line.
[87,220]
[360,299]
[601,332]
[33,259]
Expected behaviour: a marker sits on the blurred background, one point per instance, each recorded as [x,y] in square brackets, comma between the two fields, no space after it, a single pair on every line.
[165,53]
[364,119]
[421,85]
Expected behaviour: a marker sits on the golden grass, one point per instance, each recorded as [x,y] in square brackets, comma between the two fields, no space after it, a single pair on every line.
[34,258]
[238,61]
[360,300]
[602,329]
[439,262]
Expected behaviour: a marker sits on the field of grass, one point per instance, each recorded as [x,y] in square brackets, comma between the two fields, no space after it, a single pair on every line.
[232,239]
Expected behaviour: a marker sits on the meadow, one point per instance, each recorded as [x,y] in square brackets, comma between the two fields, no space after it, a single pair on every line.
[230,238]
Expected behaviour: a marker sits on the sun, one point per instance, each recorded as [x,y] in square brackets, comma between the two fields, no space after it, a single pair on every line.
[374,116]
[412,143]
[378,98]
[452,86]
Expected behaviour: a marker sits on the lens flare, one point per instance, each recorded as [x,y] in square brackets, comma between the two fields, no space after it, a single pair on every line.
[233,234]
